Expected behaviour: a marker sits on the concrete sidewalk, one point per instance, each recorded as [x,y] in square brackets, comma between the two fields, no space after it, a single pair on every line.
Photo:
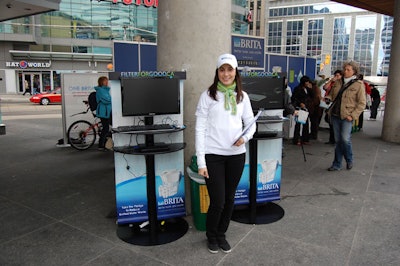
[54,202]
[14,98]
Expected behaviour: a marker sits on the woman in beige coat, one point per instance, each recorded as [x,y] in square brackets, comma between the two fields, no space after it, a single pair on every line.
[348,96]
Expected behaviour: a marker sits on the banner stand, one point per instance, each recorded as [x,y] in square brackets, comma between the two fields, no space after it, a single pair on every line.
[254,213]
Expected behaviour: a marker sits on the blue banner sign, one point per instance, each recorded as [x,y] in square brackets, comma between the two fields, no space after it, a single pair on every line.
[249,51]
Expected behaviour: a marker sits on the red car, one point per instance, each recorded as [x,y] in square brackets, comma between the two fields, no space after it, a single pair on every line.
[47,97]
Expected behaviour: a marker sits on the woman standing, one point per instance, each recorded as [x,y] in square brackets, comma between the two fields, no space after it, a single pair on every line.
[220,114]
[103,110]
[300,98]
[348,96]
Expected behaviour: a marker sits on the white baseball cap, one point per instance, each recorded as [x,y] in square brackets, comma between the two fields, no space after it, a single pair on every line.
[229,59]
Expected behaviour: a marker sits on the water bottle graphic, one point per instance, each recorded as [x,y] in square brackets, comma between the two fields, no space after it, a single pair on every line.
[170,183]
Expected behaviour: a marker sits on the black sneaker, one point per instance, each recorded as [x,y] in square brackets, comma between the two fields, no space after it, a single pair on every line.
[212,247]
[224,246]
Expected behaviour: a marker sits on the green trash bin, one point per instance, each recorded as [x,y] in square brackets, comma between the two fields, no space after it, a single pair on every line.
[200,199]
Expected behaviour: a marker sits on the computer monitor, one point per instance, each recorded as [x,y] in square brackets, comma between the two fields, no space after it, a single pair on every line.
[265,92]
[150,96]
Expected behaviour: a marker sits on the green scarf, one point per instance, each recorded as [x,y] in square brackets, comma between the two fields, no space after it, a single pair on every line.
[230,98]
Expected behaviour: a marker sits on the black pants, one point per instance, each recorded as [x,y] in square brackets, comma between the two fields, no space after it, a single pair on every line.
[105,122]
[331,134]
[305,133]
[361,120]
[315,120]
[374,108]
[224,176]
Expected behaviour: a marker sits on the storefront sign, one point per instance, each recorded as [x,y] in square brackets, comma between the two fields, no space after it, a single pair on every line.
[26,65]
[147,3]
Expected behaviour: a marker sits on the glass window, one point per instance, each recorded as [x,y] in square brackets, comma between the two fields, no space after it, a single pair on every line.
[364,43]
[340,45]
[294,37]
[17,26]
[274,37]
[385,44]
[314,37]
[82,19]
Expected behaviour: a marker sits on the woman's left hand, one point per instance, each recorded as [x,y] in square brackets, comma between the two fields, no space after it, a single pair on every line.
[349,118]
[239,142]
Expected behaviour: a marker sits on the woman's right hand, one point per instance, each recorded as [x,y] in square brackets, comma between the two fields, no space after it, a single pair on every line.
[203,172]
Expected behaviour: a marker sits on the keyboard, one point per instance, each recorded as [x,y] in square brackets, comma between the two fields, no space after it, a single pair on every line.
[269,118]
[155,148]
[143,127]
[266,134]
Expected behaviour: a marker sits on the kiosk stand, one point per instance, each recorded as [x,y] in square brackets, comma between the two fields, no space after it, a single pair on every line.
[155,233]
[254,212]
[150,187]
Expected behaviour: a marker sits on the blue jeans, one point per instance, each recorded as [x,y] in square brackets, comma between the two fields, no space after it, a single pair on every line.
[342,131]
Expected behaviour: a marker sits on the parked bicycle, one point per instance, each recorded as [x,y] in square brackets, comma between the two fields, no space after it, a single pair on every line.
[82,134]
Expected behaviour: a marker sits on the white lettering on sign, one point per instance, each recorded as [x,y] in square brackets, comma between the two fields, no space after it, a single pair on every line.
[25,64]
[254,44]
[147,3]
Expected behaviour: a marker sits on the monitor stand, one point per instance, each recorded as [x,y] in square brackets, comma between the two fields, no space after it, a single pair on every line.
[156,232]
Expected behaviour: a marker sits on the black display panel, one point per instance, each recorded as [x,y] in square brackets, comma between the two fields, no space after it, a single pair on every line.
[265,92]
[156,96]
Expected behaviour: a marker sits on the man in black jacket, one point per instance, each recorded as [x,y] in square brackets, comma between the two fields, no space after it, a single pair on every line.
[376,100]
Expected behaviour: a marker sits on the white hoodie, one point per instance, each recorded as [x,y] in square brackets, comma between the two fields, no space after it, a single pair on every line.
[217,129]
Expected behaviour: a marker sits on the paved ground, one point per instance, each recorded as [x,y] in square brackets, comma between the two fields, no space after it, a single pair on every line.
[54,202]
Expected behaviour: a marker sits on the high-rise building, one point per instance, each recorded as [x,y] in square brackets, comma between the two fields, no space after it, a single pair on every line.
[330,32]
[79,36]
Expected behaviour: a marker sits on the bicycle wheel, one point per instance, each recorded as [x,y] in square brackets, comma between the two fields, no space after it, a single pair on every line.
[81,135]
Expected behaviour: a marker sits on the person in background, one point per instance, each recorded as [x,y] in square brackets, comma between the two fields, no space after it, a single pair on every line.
[220,114]
[288,107]
[301,96]
[376,101]
[36,86]
[348,96]
[27,88]
[315,110]
[103,110]
[337,75]
[368,101]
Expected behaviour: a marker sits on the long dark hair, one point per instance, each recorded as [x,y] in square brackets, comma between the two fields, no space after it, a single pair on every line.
[239,88]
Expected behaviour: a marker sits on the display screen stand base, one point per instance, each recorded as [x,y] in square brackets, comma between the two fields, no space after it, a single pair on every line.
[265,213]
[168,231]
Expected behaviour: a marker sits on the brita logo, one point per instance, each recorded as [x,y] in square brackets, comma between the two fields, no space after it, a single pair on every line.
[247,43]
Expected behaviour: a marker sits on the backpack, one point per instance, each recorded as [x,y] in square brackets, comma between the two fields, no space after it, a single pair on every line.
[92,101]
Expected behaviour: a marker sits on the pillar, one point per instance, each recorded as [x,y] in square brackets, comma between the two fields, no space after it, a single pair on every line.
[391,120]
[191,36]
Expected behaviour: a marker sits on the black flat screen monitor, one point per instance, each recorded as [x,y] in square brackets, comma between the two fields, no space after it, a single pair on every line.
[265,92]
[150,96]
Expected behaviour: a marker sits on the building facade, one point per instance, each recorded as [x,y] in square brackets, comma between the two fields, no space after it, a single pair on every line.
[330,32]
[79,36]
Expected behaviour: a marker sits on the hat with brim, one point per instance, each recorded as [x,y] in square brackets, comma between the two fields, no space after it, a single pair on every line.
[229,59]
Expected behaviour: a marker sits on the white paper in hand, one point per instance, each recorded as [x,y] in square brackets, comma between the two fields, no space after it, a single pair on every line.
[302,116]
[248,126]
